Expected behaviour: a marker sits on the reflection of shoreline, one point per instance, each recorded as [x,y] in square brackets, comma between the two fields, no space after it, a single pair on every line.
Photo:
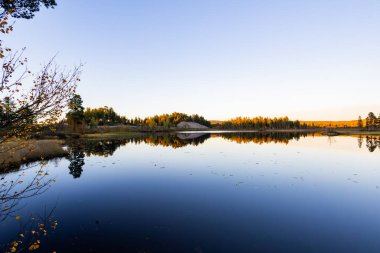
[189,136]
[106,147]
[263,137]
[371,142]
[177,141]
[78,149]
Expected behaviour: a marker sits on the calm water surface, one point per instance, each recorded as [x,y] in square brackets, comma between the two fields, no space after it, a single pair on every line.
[203,193]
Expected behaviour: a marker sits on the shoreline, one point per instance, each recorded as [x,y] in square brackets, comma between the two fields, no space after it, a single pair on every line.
[322,131]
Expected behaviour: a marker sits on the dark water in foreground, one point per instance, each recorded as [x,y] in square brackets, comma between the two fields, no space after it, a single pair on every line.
[200,193]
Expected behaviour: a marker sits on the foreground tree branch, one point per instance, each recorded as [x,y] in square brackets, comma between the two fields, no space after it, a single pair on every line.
[22,110]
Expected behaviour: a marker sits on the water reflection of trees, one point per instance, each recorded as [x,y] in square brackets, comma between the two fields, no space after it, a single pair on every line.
[176,141]
[107,147]
[372,142]
[360,141]
[93,147]
[263,137]
[76,158]
[80,148]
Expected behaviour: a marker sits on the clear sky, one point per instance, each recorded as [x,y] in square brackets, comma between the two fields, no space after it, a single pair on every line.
[218,58]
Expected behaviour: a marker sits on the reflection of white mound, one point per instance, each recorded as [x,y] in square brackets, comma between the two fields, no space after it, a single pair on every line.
[191,125]
[189,136]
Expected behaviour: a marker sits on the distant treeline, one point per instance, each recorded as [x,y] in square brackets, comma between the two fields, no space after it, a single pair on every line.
[370,122]
[106,116]
[103,116]
[172,120]
[261,123]
[330,124]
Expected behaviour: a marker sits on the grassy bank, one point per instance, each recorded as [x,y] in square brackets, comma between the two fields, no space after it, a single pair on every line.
[14,153]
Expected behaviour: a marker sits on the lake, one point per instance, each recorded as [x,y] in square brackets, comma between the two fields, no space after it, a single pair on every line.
[199,192]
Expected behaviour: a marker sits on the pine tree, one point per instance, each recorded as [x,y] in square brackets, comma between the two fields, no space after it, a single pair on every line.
[75,116]
[371,120]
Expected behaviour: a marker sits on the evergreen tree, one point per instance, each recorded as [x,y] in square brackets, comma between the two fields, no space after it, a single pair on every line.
[371,120]
[75,116]
[7,112]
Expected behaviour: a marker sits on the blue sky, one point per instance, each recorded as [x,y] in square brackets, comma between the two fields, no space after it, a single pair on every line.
[305,59]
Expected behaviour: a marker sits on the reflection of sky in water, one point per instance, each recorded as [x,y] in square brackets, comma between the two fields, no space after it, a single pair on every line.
[313,195]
